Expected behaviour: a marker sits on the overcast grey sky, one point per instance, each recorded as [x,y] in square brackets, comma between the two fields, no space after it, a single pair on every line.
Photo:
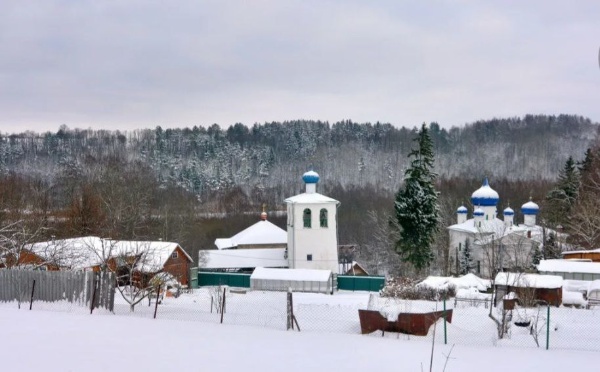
[131,64]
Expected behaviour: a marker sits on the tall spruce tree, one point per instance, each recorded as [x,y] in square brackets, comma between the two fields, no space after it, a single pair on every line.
[563,196]
[417,205]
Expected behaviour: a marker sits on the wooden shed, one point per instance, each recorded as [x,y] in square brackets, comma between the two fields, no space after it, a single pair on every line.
[541,288]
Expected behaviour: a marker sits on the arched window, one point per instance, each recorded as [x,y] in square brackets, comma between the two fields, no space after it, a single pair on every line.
[323,217]
[307,216]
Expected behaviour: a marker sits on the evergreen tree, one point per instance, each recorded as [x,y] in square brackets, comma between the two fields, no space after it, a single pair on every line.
[552,247]
[417,205]
[466,259]
[563,196]
[536,257]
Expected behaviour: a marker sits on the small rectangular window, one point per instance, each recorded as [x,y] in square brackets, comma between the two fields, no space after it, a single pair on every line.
[309,257]
[174,254]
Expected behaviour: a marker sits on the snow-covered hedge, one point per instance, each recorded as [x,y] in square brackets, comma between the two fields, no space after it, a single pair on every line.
[409,289]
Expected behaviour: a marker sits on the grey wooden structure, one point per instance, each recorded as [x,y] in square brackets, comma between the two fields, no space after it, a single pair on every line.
[77,287]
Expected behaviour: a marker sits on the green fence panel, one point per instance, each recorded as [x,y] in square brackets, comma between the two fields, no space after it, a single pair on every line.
[193,277]
[360,283]
[206,279]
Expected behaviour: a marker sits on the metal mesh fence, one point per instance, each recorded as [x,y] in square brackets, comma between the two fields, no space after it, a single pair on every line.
[473,323]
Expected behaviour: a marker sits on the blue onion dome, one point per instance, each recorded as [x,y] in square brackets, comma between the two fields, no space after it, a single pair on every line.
[310,177]
[478,212]
[530,208]
[508,212]
[462,210]
[485,196]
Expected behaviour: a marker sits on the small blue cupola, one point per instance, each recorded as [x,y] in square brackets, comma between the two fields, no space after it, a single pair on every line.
[311,178]
[530,210]
[509,216]
[461,214]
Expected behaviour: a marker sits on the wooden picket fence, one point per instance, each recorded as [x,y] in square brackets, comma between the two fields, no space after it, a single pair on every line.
[81,288]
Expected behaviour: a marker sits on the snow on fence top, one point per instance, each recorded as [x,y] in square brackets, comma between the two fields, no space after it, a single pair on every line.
[522,280]
[291,274]
[568,266]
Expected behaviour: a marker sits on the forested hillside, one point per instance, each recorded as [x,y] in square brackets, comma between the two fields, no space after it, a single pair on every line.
[169,183]
[273,155]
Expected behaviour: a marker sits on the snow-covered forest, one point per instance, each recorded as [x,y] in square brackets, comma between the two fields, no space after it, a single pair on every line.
[171,183]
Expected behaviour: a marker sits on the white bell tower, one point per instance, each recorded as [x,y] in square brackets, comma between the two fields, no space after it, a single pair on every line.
[312,228]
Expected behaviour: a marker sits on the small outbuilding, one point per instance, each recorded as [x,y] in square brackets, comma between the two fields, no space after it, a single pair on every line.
[534,287]
[299,280]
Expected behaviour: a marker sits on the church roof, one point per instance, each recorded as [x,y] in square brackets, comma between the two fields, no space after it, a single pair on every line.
[487,226]
[261,233]
[311,198]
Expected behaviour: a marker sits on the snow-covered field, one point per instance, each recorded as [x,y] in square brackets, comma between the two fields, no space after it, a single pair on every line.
[61,337]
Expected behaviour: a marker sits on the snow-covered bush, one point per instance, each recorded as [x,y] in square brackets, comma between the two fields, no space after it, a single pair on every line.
[408,289]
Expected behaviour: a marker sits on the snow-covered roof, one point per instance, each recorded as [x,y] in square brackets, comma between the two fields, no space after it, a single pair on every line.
[466,281]
[291,274]
[261,233]
[495,225]
[478,212]
[347,267]
[311,198]
[508,211]
[485,195]
[462,209]
[155,253]
[244,258]
[498,228]
[89,251]
[528,280]
[568,266]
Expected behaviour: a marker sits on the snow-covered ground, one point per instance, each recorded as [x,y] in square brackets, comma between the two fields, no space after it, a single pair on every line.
[186,334]
[56,341]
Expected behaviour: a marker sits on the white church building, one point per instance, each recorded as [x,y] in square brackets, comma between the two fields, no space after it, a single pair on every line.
[310,241]
[312,228]
[495,244]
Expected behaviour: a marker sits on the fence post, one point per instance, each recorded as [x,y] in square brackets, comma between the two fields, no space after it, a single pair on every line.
[32,290]
[445,331]
[548,328]
[223,305]
[156,302]
[290,323]
[94,288]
